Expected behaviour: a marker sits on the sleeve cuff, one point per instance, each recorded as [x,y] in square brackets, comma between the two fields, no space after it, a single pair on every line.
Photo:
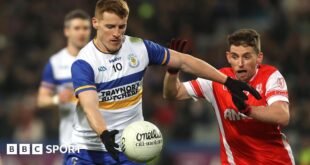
[166,57]
[84,88]
[275,98]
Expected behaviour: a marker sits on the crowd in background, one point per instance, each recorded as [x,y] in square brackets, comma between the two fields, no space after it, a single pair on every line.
[31,31]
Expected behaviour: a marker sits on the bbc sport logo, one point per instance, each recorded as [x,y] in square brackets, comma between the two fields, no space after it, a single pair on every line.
[38,149]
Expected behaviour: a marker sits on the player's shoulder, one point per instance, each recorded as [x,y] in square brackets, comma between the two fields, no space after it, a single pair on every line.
[133,40]
[135,45]
[267,70]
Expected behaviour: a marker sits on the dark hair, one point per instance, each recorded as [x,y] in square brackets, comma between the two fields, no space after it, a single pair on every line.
[78,13]
[245,37]
[119,7]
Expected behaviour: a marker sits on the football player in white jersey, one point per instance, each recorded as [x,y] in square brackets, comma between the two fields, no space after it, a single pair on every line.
[108,76]
[250,129]
[56,88]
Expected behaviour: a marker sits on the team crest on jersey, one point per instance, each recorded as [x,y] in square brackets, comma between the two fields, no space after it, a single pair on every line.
[133,60]
[281,82]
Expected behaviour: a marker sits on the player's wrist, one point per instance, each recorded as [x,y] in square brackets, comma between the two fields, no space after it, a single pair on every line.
[228,82]
[102,135]
[55,100]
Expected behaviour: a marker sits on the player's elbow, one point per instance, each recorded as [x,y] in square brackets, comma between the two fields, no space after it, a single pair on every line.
[281,113]
[284,123]
[284,120]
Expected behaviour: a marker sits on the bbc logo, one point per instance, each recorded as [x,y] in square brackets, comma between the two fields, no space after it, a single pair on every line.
[37,149]
[24,149]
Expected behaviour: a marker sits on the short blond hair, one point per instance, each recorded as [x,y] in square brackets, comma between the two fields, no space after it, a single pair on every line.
[119,7]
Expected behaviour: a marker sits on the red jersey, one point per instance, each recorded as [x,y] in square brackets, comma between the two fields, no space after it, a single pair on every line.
[246,141]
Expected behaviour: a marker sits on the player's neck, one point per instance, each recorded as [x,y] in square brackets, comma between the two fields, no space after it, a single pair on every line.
[100,46]
[73,51]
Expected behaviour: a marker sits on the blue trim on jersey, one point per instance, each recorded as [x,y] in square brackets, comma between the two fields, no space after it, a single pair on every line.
[84,89]
[48,75]
[97,157]
[82,75]
[168,56]
[121,81]
[63,81]
[155,52]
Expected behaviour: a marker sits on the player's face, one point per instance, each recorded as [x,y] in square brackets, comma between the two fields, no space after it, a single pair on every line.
[244,61]
[110,31]
[78,32]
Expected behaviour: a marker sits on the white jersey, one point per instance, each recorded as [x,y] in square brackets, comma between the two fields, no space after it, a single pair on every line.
[57,76]
[117,78]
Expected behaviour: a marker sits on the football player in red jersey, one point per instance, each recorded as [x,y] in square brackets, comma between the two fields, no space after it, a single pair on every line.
[249,129]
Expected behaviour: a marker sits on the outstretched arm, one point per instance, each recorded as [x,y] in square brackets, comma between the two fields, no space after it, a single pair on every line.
[195,66]
[204,70]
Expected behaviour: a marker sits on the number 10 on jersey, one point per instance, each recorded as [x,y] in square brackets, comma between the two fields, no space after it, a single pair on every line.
[117,67]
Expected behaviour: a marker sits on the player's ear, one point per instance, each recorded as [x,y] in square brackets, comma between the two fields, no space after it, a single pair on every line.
[95,22]
[260,57]
[228,56]
[66,28]
[66,31]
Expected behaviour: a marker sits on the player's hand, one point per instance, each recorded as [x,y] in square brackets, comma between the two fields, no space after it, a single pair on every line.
[180,46]
[236,88]
[242,106]
[108,139]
